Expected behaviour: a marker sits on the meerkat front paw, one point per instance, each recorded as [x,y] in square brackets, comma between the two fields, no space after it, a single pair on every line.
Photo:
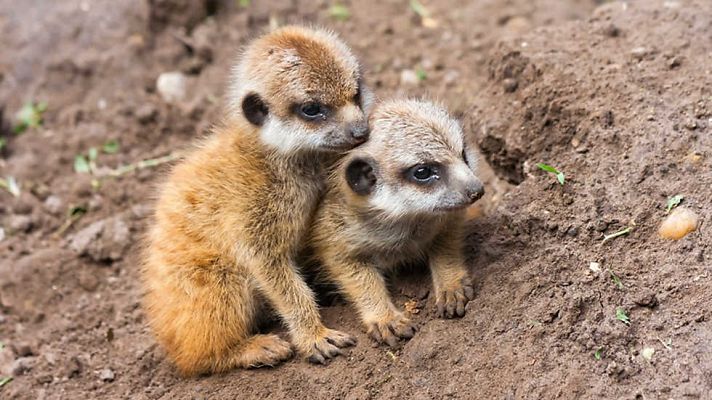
[452,299]
[391,329]
[328,344]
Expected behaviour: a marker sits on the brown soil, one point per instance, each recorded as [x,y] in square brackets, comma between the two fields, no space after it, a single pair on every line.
[617,96]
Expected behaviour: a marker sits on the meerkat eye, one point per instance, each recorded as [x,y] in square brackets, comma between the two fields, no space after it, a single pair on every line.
[464,157]
[357,96]
[312,111]
[423,173]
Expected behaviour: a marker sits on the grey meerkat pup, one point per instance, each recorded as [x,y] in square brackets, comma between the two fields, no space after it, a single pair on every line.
[233,214]
[399,198]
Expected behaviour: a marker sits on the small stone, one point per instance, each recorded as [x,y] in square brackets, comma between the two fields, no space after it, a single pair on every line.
[647,299]
[451,76]
[23,350]
[22,365]
[54,205]
[2,233]
[20,223]
[691,124]
[595,267]
[172,86]
[510,85]
[613,369]
[611,31]
[104,240]
[678,224]
[409,77]
[146,113]
[647,353]
[674,63]
[106,375]
[639,53]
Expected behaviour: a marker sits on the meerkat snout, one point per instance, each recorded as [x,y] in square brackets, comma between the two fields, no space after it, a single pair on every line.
[475,191]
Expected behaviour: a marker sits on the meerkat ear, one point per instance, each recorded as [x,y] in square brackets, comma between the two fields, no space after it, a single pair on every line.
[360,176]
[255,109]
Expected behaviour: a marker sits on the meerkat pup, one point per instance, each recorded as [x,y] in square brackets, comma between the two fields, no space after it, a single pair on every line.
[233,213]
[399,198]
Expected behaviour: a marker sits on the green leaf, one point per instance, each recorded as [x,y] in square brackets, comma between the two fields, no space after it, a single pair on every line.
[421,74]
[29,116]
[560,177]
[81,165]
[243,3]
[77,211]
[339,12]
[4,380]
[548,168]
[10,184]
[622,316]
[2,345]
[92,154]
[616,280]
[419,9]
[2,143]
[111,147]
[597,354]
[673,202]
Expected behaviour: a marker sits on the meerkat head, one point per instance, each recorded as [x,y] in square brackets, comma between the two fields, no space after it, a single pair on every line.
[415,163]
[303,88]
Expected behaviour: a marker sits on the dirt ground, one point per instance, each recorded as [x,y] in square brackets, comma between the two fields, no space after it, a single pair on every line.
[616,95]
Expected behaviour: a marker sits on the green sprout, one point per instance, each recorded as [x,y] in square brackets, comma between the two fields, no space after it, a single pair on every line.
[73,215]
[673,202]
[86,164]
[616,280]
[421,74]
[3,142]
[548,168]
[243,3]
[419,9]
[10,184]
[616,234]
[339,12]
[622,316]
[597,354]
[29,116]
[110,147]
[4,380]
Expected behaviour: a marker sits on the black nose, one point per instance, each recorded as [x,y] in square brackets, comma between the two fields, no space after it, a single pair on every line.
[475,192]
[359,131]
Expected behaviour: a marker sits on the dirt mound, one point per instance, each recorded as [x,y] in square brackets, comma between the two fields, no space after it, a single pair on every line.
[620,102]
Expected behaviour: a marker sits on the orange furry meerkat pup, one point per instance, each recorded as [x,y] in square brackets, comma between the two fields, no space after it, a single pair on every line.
[232,215]
[401,197]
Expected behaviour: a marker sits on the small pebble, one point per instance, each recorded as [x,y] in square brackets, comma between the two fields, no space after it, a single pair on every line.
[678,224]
[106,375]
[595,267]
[54,205]
[510,85]
[20,223]
[171,86]
[409,77]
